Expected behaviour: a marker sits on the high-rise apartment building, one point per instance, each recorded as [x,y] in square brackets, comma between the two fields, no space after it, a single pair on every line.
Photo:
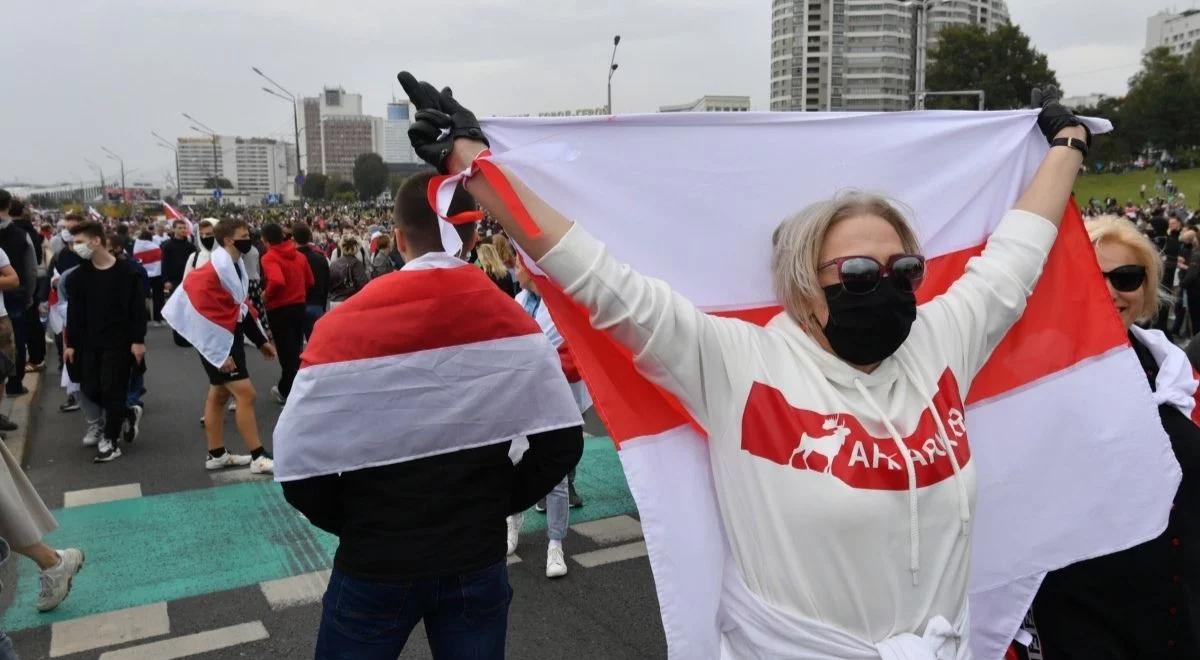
[396,147]
[256,167]
[857,54]
[1178,32]
[336,132]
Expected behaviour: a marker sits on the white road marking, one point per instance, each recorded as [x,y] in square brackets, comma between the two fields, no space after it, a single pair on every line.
[611,555]
[182,647]
[296,590]
[236,475]
[617,529]
[108,629]
[97,495]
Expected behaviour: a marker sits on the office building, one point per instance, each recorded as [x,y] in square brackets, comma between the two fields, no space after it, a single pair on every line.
[337,132]
[256,167]
[710,103]
[396,147]
[1178,32]
[857,54]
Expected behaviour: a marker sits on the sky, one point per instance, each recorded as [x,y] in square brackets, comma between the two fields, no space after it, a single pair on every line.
[107,73]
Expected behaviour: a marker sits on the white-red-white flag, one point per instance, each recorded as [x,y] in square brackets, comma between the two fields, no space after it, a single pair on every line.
[149,255]
[1069,457]
[209,305]
[425,361]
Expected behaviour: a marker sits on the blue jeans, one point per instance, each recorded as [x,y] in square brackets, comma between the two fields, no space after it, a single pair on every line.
[137,388]
[7,652]
[466,616]
[312,314]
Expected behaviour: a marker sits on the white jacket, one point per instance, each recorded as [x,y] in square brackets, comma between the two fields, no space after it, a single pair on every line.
[197,259]
[829,519]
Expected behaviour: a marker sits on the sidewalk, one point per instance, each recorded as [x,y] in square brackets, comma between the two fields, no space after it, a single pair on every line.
[20,411]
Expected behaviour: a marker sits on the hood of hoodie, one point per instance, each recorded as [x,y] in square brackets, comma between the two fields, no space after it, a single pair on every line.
[286,251]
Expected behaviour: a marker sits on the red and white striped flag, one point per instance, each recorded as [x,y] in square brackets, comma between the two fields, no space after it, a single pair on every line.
[173,214]
[437,350]
[149,255]
[1069,456]
[208,306]
[94,214]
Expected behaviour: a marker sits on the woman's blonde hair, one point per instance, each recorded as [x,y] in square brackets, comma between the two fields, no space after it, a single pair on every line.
[504,250]
[798,240]
[1113,229]
[490,262]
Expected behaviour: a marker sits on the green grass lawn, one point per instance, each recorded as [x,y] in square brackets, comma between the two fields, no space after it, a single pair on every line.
[1126,186]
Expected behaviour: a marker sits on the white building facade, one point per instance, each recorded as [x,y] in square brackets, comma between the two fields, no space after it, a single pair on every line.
[396,147]
[711,103]
[256,167]
[1178,32]
[857,54]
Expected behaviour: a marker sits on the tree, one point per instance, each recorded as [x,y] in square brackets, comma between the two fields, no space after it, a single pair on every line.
[1159,110]
[314,186]
[218,182]
[394,183]
[370,175]
[1001,63]
[336,184]
[1119,146]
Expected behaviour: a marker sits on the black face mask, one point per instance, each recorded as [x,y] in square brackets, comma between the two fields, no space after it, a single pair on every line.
[208,242]
[865,329]
[243,245]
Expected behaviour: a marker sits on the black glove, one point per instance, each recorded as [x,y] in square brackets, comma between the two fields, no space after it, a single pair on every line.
[438,122]
[1055,116]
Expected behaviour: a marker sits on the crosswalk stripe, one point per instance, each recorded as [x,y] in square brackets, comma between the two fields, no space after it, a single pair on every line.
[203,642]
[109,629]
[74,498]
[236,476]
[300,589]
[616,529]
[611,555]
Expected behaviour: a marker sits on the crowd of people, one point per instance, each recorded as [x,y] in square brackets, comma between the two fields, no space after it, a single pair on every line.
[414,521]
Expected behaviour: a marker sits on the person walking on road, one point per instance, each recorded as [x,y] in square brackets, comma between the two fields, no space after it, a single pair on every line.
[106,330]
[175,253]
[17,244]
[418,502]
[288,278]
[347,273]
[213,314]
[317,298]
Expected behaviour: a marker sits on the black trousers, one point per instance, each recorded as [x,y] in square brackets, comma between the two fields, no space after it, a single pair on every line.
[287,328]
[20,335]
[156,294]
[35,338]
[104,378]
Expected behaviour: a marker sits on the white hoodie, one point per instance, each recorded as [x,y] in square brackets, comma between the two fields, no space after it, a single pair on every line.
[829,521]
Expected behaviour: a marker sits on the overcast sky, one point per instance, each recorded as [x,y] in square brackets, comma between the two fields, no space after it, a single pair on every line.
[84,74]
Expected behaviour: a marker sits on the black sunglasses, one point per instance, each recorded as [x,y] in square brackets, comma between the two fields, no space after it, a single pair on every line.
[861,275]
[1127,278]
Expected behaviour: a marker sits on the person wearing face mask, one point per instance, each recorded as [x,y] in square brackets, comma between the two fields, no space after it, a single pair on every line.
[851,344]
[106,330]
[213,314]
[204,252]
[288,277]
[175,253]
[1143,602]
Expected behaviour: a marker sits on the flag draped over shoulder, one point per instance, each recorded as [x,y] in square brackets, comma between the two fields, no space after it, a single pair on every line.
[208,306]
[428,360]
[149,255]
[1071,461]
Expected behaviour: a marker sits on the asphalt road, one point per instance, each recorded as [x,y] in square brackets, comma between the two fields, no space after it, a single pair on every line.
[191,550]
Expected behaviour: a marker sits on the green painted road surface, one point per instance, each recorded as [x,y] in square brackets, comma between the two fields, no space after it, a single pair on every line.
[190,543]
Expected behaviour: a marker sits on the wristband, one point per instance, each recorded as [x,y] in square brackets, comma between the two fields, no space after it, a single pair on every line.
[1074,143]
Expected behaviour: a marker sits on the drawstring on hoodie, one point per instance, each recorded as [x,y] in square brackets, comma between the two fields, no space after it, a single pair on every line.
[964,503]
[914,533]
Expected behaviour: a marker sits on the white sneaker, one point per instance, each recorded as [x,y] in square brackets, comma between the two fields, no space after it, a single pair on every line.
[262,465]
[133,424]
[232,405]
[56,581]
[514,531]
[277,395]
[227,460]
[556,563]
[106,451]
[92,437]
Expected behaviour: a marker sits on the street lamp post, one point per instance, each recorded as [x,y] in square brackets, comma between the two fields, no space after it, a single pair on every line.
[98,170]
[162,142]
[114,156]
[922,8]
[210,132]
[612,68]
[287,96]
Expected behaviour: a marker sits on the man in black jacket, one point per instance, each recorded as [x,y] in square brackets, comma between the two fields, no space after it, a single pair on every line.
[19,248]
[106,330]
[175,253]
[317,298]
[425,539]
[35,332]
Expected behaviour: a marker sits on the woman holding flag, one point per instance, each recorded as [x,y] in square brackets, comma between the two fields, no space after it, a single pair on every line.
[835,554]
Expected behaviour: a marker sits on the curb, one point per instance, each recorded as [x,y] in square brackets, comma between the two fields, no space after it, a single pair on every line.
[20,411]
